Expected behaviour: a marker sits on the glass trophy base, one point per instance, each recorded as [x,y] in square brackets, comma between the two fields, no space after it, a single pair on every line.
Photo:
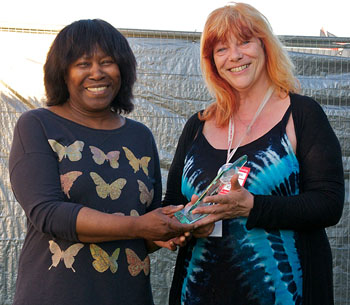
[185,216]
[223,177]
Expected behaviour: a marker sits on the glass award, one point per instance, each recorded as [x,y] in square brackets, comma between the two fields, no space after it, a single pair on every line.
[223,177]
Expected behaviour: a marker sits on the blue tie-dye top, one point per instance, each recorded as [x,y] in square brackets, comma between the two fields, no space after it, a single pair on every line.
[244,267]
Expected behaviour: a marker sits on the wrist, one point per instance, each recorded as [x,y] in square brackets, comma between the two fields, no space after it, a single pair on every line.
[136,227]
[249,204]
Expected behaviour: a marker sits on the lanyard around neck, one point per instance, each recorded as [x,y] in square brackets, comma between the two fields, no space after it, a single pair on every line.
[232,126]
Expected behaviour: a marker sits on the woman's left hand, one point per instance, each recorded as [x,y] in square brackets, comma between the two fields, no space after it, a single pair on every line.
[237,202]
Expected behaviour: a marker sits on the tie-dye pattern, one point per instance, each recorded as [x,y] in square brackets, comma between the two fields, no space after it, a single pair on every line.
[244,266]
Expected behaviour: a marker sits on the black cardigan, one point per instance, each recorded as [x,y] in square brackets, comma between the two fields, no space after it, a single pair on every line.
[319,204]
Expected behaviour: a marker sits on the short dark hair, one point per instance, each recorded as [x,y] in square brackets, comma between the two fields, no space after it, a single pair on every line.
[81,38]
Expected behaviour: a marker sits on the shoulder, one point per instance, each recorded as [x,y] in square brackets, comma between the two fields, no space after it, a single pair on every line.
[194,118]
[42,120]
[302,103]
[38,112]
[309,118]
[136,124]
[133,126]
[193,123]
[189,132]
[306,110]
[32,117]
[191,127]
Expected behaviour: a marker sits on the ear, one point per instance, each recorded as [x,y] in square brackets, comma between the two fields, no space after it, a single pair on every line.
[262,43]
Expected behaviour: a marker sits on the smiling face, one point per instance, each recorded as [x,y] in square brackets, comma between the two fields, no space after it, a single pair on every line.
[93,82]
[241,63]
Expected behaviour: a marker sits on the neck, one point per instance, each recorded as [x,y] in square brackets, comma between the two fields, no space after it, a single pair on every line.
[97,120]
[249,102]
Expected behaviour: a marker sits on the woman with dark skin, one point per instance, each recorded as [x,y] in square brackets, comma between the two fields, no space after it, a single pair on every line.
[269,244]
[88,179]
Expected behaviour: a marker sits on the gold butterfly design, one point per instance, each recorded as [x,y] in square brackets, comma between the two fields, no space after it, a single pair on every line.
[132,213]
[104,189]
[146,196]
[100,157]
[72,152]
[136,163]
[102,260]
[136,265]
[67,181]
[67,256]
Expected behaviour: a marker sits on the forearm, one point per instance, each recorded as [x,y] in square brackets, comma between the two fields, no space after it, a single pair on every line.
[95,226]
[157,225]
[308,211]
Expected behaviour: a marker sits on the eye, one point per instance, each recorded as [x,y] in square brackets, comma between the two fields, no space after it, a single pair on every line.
[220,48]
[82,64]
[245,42]
[107,61]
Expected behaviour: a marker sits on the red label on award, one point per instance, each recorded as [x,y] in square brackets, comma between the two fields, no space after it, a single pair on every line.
[242,177]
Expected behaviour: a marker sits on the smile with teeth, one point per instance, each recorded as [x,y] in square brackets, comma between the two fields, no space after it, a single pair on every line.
[97,89]
[238,69]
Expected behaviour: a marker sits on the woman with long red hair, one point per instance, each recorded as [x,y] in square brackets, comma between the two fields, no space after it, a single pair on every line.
[268,245]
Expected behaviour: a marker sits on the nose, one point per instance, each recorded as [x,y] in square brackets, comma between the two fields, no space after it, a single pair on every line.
[235,53]
[96,71]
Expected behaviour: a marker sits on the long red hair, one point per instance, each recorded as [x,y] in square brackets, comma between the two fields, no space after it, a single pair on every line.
[244,22]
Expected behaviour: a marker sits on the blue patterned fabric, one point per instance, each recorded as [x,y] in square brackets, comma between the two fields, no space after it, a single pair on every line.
[244,266]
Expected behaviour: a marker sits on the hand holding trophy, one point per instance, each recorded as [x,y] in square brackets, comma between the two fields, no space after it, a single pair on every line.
[223,177]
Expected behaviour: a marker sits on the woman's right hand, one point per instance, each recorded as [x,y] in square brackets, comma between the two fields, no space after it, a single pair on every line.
[160,224]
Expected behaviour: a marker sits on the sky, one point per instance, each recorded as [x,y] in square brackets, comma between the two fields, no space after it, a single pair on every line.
[297,17]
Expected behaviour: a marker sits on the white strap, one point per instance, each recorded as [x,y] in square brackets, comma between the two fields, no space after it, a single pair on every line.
[232,126]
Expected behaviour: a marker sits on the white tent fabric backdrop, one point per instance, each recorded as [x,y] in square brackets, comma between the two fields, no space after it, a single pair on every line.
[168,90]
